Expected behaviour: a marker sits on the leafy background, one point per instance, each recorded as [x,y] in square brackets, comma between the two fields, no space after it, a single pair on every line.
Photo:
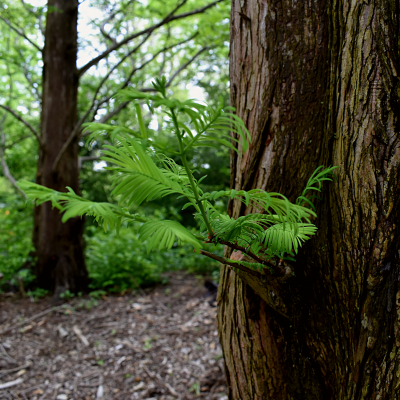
[114,262]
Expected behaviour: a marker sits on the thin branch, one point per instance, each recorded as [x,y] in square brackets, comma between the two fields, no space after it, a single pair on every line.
[28,9]
[69,140]
[180,69]
[169,18]
[123,105]
[78,126]
[19,118]
[109,74]
[134,70]
[85,159]
[9,146]
[6,171]
[26,74]
[104,23]
[268,264]
[226,261]
[20,33]
[113,112]
[112,14]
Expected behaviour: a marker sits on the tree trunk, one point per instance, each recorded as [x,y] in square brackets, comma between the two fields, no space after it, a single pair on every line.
[59,246]
[317,83]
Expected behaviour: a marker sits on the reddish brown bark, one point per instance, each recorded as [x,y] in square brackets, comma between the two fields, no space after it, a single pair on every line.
[59,246]
[317,84]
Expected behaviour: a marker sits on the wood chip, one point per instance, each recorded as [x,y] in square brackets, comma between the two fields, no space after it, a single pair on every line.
[11,383]
[100,392]
[111,357]
[80,335]
[141,385]
[26,328]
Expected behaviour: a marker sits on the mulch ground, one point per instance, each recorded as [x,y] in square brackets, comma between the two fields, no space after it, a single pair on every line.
[160,344]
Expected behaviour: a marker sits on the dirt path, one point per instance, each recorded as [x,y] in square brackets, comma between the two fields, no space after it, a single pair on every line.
[162,344]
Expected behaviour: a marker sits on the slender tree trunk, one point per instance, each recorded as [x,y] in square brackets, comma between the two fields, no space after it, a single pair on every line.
[317,84]
[59,246]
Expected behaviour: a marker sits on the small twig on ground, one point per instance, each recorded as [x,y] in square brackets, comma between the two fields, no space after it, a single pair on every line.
[11,383]
[80,335]
[10,328]
[11,370]
[8,357]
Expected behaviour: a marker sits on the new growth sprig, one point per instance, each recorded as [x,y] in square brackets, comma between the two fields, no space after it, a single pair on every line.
[143,172]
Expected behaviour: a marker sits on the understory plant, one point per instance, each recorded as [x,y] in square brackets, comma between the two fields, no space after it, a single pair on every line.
[145,169]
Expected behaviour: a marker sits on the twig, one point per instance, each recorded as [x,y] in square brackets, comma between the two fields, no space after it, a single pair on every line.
[85,159]
[9,146]
[49,310]
[127,80]
[9,371]
[143,294]
[253,256]
[226,261]
[11,383]
[80,335]
[104,23]
[19,118]
[123,105]
[6,170]
[26,74]
[20,33]
[171,389]
[11,360]
[113,112]
[181,68]
[78,126]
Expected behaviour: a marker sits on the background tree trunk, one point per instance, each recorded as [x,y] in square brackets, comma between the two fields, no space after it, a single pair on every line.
[317,84]
[59,246]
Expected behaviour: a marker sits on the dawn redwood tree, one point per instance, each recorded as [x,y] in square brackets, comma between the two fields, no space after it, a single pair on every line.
[59,246]
[316,83]
[60,261]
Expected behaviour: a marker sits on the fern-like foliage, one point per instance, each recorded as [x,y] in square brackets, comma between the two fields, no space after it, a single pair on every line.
[137,177]
[110,216]
[315,183]
[163,234]
[143,171]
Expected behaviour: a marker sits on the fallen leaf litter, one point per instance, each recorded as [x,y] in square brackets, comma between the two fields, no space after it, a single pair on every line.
[162,344]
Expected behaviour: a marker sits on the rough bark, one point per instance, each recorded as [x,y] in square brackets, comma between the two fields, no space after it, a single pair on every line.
[317,84]
[59,246]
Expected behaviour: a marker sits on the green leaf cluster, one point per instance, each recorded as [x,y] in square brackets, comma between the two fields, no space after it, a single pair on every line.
[143,172]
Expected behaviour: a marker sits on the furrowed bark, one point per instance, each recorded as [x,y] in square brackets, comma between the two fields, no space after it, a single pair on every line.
[59,247]
[317,84]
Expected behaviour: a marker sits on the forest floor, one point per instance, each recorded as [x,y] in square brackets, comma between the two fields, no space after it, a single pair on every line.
[161,344]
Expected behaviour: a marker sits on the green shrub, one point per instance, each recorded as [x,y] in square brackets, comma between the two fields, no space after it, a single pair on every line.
[119,262]
[16,224]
